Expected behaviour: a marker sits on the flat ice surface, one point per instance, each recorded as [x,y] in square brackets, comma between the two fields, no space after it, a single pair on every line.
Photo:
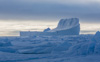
[80,48]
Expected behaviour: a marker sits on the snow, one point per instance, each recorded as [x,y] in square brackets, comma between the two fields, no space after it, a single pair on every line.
[4,42]
[11,57]
[73,48]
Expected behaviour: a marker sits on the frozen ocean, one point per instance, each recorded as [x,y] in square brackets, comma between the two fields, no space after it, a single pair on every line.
[79,48]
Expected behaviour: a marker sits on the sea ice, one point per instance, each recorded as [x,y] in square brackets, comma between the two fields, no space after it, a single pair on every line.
[97,37]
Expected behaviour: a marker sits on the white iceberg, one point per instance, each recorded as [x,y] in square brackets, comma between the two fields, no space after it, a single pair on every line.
[65,27]
[66,24]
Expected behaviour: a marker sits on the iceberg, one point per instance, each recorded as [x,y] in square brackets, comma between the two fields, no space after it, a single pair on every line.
[46,30]
[66,24]
[69,26]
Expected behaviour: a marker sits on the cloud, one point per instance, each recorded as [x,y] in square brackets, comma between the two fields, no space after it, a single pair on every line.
[50,9]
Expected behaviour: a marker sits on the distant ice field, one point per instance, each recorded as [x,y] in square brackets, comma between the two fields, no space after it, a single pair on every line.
[12,28]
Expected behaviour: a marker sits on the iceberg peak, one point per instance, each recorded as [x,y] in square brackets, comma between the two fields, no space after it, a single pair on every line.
[67,24]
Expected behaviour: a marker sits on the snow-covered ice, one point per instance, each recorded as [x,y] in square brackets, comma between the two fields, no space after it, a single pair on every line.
[97,36]
[73,48]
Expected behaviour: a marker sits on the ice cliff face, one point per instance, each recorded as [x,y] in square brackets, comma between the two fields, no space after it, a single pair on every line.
[68,26]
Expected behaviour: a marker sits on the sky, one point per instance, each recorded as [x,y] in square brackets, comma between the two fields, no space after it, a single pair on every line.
[50,10]
[19,15]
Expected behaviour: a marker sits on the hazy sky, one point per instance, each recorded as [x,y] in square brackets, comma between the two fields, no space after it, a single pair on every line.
[50,10]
